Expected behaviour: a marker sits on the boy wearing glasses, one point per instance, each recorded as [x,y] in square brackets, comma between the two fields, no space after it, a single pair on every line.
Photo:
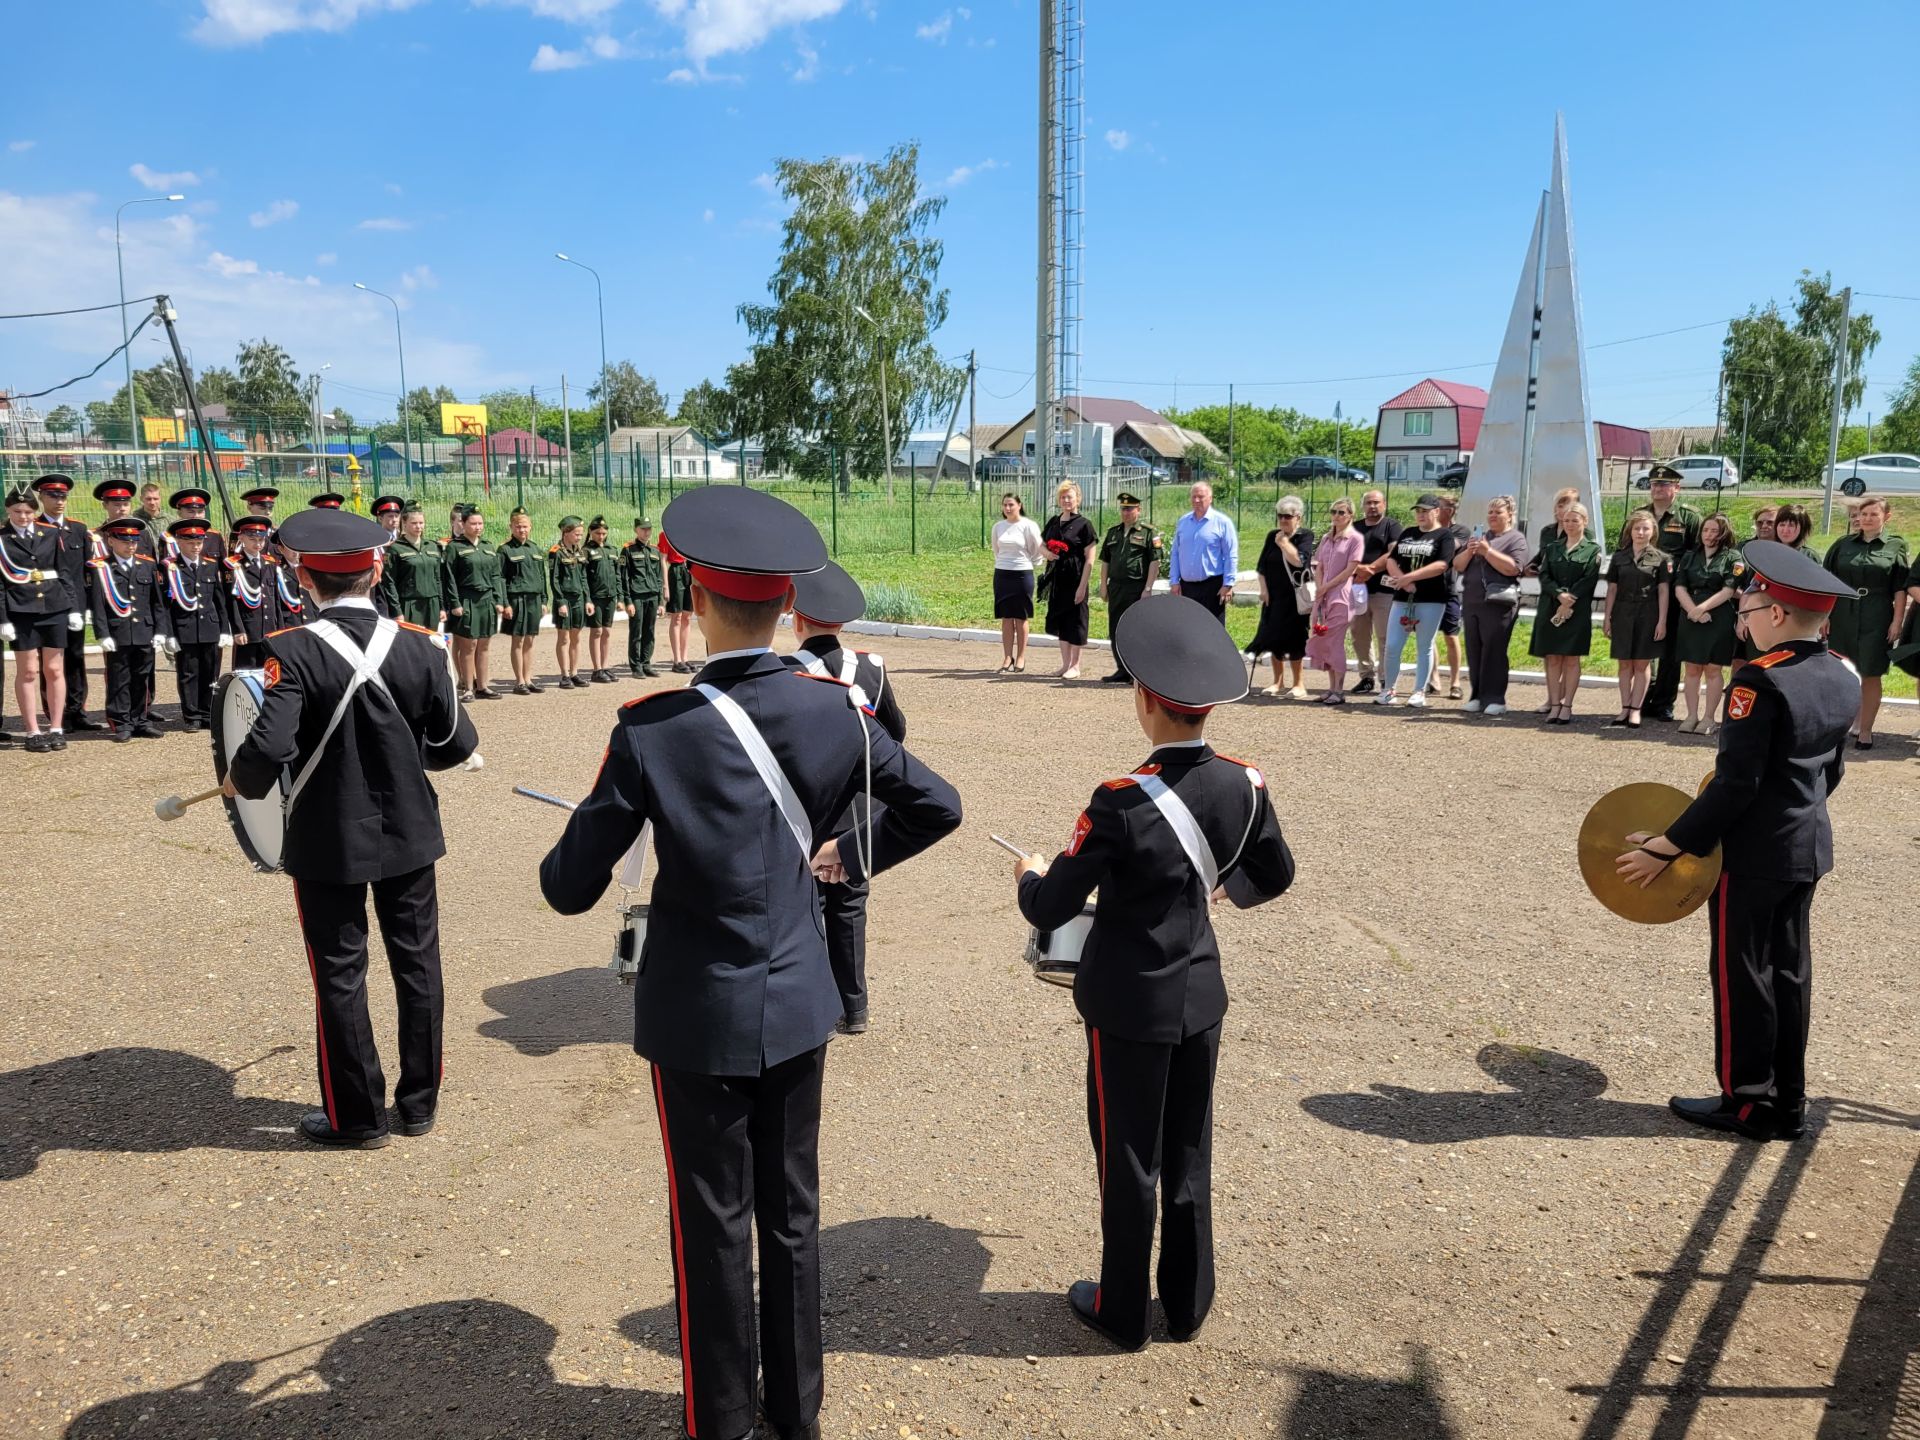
[1780,753]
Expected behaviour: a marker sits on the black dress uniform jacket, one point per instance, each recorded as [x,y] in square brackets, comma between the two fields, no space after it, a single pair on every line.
[139,583]
[869,674]
[76,548]
[1151,968]
[734,975]
[252,579]
[45,590]
[368,811]
[204,582]
[1780,757]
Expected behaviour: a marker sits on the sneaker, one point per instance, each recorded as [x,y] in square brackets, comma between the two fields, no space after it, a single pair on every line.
[1298,692]
[1496,708]
[1386,697]
[1365,687]
[1417,700]
[38,743]
[1472,707]
[58,739]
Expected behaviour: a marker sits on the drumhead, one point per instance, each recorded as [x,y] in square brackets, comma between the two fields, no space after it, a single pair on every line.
[259,825]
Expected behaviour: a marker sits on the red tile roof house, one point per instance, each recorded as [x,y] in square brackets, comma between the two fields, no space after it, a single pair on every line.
[1422,431]
[518,451]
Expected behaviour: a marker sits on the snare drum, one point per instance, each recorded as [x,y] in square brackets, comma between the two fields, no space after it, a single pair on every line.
[1055,954]
[629,942]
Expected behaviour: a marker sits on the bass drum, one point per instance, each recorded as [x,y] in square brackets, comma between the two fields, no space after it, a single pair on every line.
[259,825]
[1055,954]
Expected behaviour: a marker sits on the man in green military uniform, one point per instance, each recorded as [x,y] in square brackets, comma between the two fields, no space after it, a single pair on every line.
[1129,564]
[640,568]
[1676,530]
[603,589]
[410,576]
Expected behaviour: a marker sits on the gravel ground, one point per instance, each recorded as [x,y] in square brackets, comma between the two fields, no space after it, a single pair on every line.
[1449,1200]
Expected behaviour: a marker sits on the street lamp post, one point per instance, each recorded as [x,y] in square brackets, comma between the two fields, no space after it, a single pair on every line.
[406,415]
[886,422]
[606,389]
[319,426]
[119,264]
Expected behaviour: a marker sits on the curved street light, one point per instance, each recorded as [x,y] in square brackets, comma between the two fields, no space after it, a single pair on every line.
[606,388]
[406,415]
[119,264]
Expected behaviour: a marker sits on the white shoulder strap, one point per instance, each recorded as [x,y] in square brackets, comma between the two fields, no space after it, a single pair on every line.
[849,670]
[771,775]
[366,669]
[811,662]
[1187,829]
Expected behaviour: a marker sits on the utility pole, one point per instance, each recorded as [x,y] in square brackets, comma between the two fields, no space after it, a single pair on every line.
[533,432]
[1839,392]
[973,461]
[566,430]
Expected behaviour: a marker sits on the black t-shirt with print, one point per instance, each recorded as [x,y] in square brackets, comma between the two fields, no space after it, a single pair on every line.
[1375,538]
[1416,548]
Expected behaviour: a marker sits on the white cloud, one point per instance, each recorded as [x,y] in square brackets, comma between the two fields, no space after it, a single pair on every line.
[597,47]
[569,12]
[682,76]
[276,212]
[962,174]
[384,222]
[420,277]
[249,22]
[809,65]
[20,147]
[1119,139]
[936,30]
[707,215]
[228,268]
[162,179]
[723,27]
[764,181]
[326,258]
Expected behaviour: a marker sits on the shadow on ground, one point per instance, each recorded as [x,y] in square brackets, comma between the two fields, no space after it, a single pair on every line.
[458,1368]
[1328,1405]
[1548,1095]
[913,1288]
[134,1100]
[541,1015]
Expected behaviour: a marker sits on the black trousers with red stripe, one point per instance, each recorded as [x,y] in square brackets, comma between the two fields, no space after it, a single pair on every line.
[1762,976]
[1150,1110]
[744,1150]
[333,921]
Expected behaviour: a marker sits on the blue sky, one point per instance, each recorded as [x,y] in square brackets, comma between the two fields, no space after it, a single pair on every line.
[1275,192]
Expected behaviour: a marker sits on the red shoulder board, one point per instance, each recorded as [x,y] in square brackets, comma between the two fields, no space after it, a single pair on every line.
[1772,658]
[1122,783]
[642,699]
[553,549]
[1259,779]
[286,630]
[823,679]
[417,629]
[1148,770]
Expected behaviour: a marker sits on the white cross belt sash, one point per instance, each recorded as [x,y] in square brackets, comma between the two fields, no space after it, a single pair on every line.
[1187,829]
[771,775]
[366,670]
[849,667]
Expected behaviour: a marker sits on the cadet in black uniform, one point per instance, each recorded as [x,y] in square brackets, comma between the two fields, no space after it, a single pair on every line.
[386,513]
[191,504]
[1780,757]
[1160,844]
[360,813]
[198,620]
[253,591]
[603,589]
[734,1001]
[33,617]
[116,498]
[76,548]
[822,603]
[131,620]
[640,568]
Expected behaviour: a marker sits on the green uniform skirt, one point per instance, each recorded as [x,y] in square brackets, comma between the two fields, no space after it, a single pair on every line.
[679,590]
[1712,643]
[1575,637]
[480,622]
[421,612]
[525,619]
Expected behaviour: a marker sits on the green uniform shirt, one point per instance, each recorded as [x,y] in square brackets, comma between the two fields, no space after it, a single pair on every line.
[639,572]
[1677,534]
[471,572]
[412,573]
[567,577]
[603,575]
[1127,552]
[523,571]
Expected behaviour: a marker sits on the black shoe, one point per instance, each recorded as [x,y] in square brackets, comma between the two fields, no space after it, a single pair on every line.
[1365,687]
[147,730]
[1433,687]
[120,736]
[1183,1336]
[522,688]
[1119,677]
[649,672]
[1083,1296]
[465,696]
[80,722]
[487,694]
[854,1024]
[412,1127]
[193,727]
[6,739]
[1753,1119]
[41,742]
[1790,1121]
[1664,716]
[634,672]
[534,687]
[314,1127]
[58,739]
[808,1431]
[603,677]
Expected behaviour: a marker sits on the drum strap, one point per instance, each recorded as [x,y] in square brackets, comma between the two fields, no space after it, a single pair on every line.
[366,670]
[1187,829]
[849,670]
[771,775]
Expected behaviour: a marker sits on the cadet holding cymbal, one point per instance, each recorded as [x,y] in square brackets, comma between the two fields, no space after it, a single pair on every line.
[1160,844]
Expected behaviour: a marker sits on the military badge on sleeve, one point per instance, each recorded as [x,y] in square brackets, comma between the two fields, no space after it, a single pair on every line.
[1740,703]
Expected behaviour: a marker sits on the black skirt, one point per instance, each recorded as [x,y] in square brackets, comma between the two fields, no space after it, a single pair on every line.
[1013,594]
[1283,629]
[1066,621]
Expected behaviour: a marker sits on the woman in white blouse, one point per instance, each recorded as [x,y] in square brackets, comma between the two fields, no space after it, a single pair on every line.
[1017,548]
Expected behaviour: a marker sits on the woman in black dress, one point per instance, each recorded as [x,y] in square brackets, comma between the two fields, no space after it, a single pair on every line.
[1285,561]
[1070,540]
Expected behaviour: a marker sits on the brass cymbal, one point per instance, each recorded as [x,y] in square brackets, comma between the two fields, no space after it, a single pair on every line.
[1681,888]
[1705,780]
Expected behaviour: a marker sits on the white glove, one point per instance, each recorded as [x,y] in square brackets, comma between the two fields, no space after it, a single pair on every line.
[76,621]
[225,641]
[165,645]
[107,643]
[8,634]
[475,761]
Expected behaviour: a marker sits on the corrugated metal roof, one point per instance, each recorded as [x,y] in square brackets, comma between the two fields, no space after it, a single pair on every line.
[1438,395]
[1168,441]
[510,442]
[1624,442]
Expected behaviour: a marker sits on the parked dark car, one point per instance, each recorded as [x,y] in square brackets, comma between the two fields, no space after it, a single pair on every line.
[1454,477]
[1307,468]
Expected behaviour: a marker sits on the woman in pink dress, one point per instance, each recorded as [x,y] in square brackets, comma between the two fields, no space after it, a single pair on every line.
[1333,565]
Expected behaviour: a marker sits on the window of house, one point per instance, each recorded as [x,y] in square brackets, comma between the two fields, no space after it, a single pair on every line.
[1432,465]
[1396,468]
[1419,422]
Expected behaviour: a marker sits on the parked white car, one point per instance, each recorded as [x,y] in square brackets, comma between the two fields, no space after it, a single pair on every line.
[1698,472]
[1876,472]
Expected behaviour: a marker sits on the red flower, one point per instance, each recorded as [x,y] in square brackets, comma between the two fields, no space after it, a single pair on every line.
[1058,547]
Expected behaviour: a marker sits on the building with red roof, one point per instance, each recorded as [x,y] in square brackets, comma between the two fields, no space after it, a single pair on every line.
[1423,430]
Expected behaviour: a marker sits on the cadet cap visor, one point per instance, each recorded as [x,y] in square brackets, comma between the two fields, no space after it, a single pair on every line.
[1792,577]
[1180,654]
[126,527]
[253,525]
[113,490]
[1127,498]
[54,484]
[328,501]
[828,597]
[260,494]
[334,542]
[388,505]
[189,529]
[744,544]
[189,496]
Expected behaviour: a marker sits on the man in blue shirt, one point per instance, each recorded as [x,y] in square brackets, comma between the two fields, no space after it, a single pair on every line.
[1206,554]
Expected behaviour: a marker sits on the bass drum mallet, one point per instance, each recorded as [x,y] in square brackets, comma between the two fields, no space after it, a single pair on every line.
[173,807]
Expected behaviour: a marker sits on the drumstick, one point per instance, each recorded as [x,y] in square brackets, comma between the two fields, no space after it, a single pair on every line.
[544,799]
[1006,844]
[173,807]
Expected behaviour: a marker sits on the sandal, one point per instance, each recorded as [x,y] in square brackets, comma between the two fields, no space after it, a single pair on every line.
[1688,726]
[1711,727]
[1453,692]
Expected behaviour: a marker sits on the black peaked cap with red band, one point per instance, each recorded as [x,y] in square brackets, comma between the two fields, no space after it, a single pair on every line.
[189,496]
[57,484]
[328,501]
[1179,653]
[188,528]
[828,597]
[126,527]
[388,504]
[253,524]
[742,543]
[1791,576]
[113,490]
[334,541]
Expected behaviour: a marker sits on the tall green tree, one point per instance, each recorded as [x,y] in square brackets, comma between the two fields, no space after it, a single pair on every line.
[709,409]
[854,302]
[269,392]
[1901,430]
[1779,372]
[62,420]
[634,399]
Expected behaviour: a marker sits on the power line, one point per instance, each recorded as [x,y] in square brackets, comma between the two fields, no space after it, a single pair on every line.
[51,389]
[82,310]
[1869,295]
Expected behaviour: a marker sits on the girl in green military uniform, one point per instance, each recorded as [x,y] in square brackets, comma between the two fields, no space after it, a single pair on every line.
[1867,627]
[410,573]
[567,578]
[679,605]
[603,598]
[476,599]
[1639,589]
[523,571]
[1705,584]
[1563,621]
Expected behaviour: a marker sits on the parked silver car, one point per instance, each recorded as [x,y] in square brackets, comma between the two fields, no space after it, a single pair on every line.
[1876,472]
[1699,472]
